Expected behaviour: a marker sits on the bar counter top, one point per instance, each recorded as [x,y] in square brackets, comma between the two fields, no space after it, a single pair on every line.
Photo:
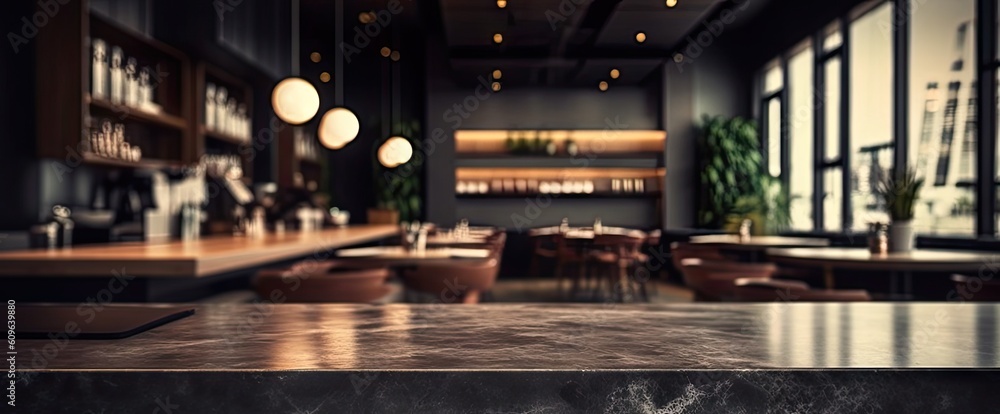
[176,259]
[535,358]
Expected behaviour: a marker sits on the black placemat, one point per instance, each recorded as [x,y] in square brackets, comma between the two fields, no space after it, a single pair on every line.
[91,321]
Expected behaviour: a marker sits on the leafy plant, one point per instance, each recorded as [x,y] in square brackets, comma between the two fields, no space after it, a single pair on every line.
[399,188]
[900,193]
[734,182]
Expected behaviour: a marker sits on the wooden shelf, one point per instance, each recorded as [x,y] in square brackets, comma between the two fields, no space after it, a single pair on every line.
[94,159]
[630,160]
[220,136]
[651,195]
[128,113]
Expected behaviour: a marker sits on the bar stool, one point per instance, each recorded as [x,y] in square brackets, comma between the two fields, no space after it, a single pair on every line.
[777,290]
[456,282]
[330,281]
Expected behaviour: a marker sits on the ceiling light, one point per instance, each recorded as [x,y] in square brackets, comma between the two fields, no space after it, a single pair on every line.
[338,127]
[498,38]
[497,74]
[501,3]
[324,77]
[394,56]
[640,37]
[671,3]
[615,73]
[495,86]
[295,100]
[315,57]
[394,152]
[385,52]
[603,86]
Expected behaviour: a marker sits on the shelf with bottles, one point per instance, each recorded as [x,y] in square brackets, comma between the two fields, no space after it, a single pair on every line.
[224,109]
[129,144]
[590,182]
[99,69]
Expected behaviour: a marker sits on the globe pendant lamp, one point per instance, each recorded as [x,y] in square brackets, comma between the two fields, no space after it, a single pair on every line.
[295,100]
[394,152]
[338,127]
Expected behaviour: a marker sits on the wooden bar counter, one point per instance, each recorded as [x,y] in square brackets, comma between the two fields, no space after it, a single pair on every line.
[166,272]
[199,258]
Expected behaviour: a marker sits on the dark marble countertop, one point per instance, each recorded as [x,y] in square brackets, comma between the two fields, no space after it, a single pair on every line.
[527,337]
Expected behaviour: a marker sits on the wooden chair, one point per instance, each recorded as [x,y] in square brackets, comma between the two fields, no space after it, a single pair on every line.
[615,255]
[543,247]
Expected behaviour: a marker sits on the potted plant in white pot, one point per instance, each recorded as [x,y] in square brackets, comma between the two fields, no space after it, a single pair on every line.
[900,194]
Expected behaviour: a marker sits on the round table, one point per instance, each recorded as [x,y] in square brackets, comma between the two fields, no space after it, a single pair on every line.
[831,258]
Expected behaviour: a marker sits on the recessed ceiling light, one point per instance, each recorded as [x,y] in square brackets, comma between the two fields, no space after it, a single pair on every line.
[640,37]
[603,86]
[671,3]
[394,56]
[501,3]
[315,57]
[495,86]
[615,73]
[497,38]
[497,74]
[385,52]
[324,77]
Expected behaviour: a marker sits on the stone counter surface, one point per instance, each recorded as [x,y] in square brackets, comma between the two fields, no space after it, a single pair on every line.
[776,357]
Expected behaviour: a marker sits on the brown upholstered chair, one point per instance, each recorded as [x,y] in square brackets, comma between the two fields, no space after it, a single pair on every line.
[680,251]
[455,282]
[975,289]
[777,290]
[713,280]
[543,247]
[330,281]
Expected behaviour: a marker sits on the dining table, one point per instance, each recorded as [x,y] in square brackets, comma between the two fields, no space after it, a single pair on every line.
[755,246]
[898,264]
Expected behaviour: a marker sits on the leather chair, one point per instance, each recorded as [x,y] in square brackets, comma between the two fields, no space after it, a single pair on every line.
[455,282]
[777,290]
[975,289]
[543,247]
[614,256]
[714,280]
[330,281]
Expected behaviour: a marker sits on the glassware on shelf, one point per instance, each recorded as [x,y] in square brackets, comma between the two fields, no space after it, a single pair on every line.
[210,106]
[117,76]
[131,82]
[221,98]
[99,70]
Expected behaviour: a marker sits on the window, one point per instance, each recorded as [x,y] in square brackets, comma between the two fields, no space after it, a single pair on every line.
[942,109]
[801,100]
[836,131]
[871,107]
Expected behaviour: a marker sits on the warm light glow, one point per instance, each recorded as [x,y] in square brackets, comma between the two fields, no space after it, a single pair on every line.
[324,77]
[295,100]
[555,174]
[502,3]
[394,152]
[498,38]
[394,56]
[615,73]
[385,52]
[497,74]
[640,37]
[671,3]
[366,17]
[587,141]
[338,127]
[603,86]
[495,86]
[678,58]
[315,57]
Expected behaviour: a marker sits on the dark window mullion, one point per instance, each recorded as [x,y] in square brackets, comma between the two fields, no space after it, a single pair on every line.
[819,129]
[901,84]
[986,62]
[845,125]
[785,132]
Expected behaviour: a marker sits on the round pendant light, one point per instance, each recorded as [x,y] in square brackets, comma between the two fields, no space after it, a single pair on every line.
[295,100]
[394,152]
[338,127]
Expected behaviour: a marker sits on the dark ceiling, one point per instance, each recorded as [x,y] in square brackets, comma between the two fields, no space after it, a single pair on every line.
[545,42]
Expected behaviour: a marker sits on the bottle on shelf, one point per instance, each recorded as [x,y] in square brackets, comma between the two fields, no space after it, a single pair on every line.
[131,82]
[117,76]
[210,106]
[598,228]
[99,70]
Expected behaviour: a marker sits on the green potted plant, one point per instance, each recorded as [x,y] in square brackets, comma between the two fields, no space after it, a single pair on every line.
[734,183]
[397,189]
[900,193]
